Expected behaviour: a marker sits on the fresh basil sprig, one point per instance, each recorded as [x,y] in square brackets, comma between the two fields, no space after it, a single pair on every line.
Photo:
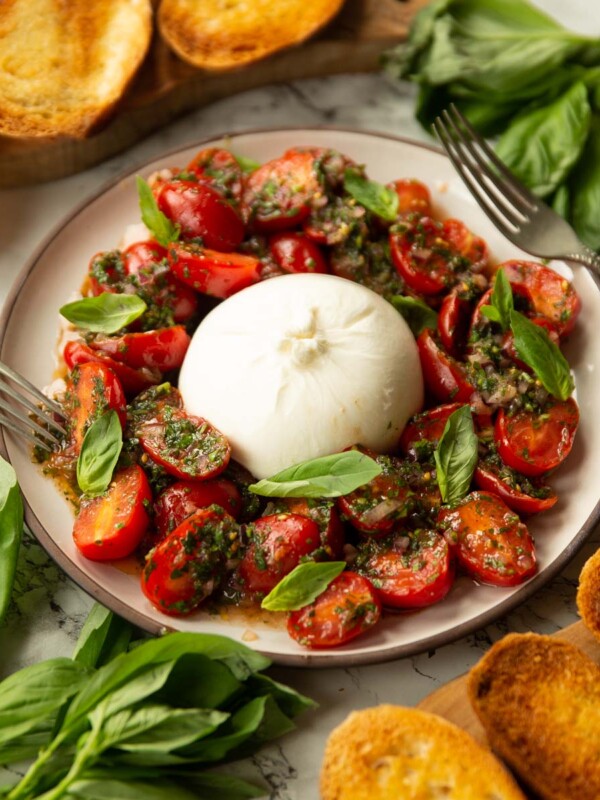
[246,164]
[302,585]
[538,350]
[160,226]
[502,303]
[11,529]
[456,455]
[106,313]
[328,476]
[417,314]
[374,196]
[99,454]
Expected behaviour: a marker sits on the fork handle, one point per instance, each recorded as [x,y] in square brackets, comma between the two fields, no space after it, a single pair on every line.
[587,257]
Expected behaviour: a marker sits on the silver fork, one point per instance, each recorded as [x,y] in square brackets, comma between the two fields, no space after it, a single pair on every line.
[27,412]
[522,217]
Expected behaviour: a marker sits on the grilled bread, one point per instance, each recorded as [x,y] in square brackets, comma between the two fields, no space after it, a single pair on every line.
[588,594]
[396,753]
[218,35]
[538,699]
[65,63]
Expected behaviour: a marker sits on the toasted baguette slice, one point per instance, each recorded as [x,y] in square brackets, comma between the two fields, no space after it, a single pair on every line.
[219,35]
[65,63]
[588,594]
[538,699]
[396,753]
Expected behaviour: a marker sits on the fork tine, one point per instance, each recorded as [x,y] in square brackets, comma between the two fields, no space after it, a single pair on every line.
[5,388]
[33,390]
[10,424]
[26,420]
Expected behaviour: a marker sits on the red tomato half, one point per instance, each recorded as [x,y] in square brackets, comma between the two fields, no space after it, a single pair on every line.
[426,427]
[408,571]
[413,196]
[294,252]
[454,318]
[183,498]
[490,542]
[490,478]
[186,566]
[348,607]
[534,443]
[201,212]
[92,389]
[220,169]
[325,514]
[277,543]
[213,273]
[132,380]
[470,247]
[445,378]
[423,257]
[113,525]
[162,349]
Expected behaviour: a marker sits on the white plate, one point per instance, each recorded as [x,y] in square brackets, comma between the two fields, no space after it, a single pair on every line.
[28,331]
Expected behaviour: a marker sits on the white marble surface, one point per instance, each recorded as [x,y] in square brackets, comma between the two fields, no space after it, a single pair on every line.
[49,609]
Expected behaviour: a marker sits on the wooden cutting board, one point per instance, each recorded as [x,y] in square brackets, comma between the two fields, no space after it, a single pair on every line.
[167,87]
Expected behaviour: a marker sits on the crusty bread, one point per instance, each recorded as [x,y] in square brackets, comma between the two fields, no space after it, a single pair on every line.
[588,594]
[65,63]
[223,34]
[538,699]
[396,753]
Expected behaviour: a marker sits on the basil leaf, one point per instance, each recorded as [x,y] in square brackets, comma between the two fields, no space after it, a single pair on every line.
[106,313]
[11,530]
[104,635]
[213,786]
[542,146]
[302,585]
[247,164]
[544,357]
[99,454]
[159,225]
[372,195]
[417,314]
[111,789]
[328,476]
[502,301]
[584,189]
[456,455]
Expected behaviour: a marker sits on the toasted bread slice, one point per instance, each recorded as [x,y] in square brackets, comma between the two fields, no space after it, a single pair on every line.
[65,63]
[538,699]
[396,753]
[588,594]
[219,35]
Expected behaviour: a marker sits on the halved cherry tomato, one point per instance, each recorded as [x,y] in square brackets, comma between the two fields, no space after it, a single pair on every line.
[162,349]
[186,566]
[325,514]
[213,273]
[201,212]
[471,247]
[92,389]
[445,378]
[105,270]
[534,443]
[183,498]
[552,295]
[294,252]
[490,542]
[504,482]
[132,380]
[410,570]
[348,607]
[413,196]
[113,525]
[335,222]
[277,543]
[280,194]
[424,258]
[426,428]
[329,163]
[220,169]
[454,318]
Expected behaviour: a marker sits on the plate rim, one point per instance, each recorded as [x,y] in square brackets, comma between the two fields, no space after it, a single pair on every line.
[311,659]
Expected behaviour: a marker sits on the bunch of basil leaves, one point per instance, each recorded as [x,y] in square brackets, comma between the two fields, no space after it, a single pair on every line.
[516,74]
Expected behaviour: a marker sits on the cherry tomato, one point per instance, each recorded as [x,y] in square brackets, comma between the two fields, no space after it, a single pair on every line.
[162,349]
[329,163]
[534,443]
[552,295]
[507,484]
[296,253]
[445,378]
[201,212]
[325,514]
[220,169]
[280,194]
[186,566]
[92,389]
[454,318]
[277,543]
[490,542]
[413,196]
[105,270]
[348,607]
[335,222]
[213,273]
[183,498]
[423,257]
[470,247]
[408,571]
[132,380]
[113,525]
[424,430]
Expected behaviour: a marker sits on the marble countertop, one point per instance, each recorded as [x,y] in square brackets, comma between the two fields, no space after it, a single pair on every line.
[48,609]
